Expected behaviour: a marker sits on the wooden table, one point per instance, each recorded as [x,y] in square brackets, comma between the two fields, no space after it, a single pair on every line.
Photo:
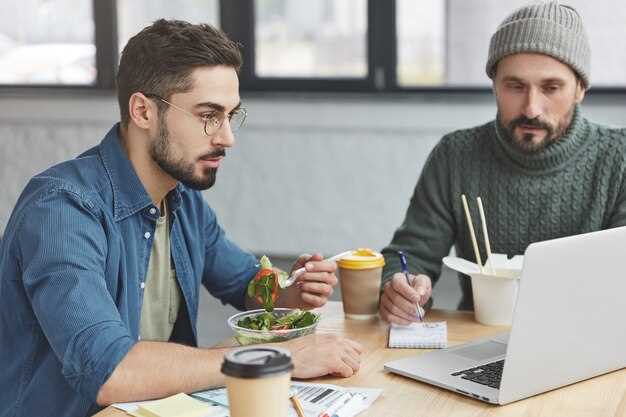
[403,397]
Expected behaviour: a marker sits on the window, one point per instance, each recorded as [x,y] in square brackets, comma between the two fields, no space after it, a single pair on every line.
[446,43]
[313,39]
[294,45]
[395,45]
[38,47]
[134,15]
[420,42]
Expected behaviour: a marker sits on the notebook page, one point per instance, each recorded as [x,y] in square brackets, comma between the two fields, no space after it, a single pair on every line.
[425,335]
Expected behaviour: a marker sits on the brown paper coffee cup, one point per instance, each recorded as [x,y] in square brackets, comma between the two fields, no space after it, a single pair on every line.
[258,381]
[360,277]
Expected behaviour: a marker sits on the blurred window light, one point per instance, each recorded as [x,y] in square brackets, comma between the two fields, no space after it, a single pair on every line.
[421,42]
[39,47]
[311,39]
[444,43]
[439,43]
[134,15]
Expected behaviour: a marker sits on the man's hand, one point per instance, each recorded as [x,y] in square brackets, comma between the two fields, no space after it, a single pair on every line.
[312,288]
[398,301]
[317,355]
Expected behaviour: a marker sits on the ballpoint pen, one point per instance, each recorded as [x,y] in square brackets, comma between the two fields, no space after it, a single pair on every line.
[405,271]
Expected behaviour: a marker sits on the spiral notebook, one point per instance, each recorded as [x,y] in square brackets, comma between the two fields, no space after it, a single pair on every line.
[425,335]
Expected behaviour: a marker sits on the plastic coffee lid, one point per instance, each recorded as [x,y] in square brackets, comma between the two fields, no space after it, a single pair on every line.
[256,362]
[362,258]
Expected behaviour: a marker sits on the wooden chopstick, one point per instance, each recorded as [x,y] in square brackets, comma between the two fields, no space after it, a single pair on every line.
[485,234]
[468,216]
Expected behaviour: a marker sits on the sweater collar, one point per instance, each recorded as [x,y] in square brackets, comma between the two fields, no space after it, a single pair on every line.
[555,155]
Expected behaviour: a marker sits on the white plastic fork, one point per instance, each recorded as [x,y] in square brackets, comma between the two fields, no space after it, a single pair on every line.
[295,274]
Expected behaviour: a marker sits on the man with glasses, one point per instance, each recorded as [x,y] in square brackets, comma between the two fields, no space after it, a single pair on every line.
[103,257]
[542,170]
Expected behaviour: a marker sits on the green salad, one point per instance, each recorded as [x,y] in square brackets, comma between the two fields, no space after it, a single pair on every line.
[266,284]
[296,319]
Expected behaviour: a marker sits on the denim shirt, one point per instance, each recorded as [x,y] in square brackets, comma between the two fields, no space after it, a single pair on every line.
[72,266]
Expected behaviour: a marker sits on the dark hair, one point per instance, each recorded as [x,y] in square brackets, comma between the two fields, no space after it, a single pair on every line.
[159,59]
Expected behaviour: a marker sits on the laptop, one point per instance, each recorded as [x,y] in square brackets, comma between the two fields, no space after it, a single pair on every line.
[568,326]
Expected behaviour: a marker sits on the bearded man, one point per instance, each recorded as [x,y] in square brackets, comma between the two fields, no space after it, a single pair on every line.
[104,255]
[542,170]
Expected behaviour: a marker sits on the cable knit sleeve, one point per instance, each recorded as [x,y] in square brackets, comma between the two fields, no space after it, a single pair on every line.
[427,232]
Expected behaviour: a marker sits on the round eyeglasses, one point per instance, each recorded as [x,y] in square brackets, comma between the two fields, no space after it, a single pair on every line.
[214,119]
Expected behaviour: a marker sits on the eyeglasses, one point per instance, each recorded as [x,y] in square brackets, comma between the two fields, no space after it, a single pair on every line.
[214,120]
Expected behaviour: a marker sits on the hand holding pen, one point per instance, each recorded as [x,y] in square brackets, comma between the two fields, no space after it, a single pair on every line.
[405,271]
[403,294]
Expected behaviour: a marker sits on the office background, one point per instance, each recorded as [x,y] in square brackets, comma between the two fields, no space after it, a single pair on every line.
[317,167]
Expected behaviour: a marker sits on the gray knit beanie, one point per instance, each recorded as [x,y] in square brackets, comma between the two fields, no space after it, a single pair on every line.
[547,28]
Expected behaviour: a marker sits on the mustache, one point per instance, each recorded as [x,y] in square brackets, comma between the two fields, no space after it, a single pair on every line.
[215,154]
[523,120]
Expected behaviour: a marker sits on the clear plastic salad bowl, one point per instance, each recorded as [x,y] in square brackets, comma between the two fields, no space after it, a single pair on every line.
[249,336]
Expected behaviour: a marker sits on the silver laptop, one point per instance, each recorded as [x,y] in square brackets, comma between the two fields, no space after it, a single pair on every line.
[568,326]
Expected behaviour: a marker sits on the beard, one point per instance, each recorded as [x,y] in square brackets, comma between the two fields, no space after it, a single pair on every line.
[554,132]
[179,169]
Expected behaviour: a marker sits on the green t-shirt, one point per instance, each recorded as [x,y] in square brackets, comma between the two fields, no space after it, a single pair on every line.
[162,296]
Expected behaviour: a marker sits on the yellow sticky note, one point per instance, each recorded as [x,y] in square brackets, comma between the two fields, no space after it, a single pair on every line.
[179,405]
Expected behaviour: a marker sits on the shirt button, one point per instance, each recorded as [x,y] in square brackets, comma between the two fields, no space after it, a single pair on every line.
[142,285]
[152,210]
[147,235]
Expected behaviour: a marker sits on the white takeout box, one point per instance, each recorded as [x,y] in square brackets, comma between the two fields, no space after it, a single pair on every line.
[495,295]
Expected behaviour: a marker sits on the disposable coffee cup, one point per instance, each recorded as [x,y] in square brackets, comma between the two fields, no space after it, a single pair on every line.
[359,277]
[258,381]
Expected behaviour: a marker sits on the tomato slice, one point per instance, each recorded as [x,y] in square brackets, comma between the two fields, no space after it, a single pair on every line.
[264,272]
[272,280]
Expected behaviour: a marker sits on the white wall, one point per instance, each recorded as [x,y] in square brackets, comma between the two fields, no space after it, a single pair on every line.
[305,174]
[321,173]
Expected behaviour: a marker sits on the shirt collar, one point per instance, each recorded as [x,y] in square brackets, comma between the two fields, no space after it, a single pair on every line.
[129,194]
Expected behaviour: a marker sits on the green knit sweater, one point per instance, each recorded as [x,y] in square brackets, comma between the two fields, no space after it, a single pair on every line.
[575,185]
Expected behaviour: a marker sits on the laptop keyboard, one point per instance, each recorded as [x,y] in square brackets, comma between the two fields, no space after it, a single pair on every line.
[489,374]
